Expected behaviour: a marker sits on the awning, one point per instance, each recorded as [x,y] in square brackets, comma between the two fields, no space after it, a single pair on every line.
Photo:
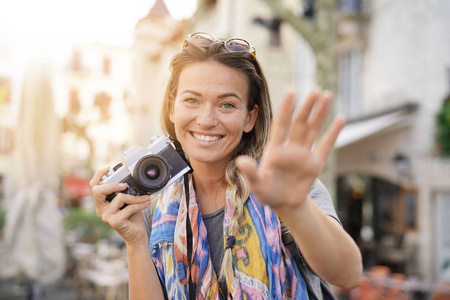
[367,126]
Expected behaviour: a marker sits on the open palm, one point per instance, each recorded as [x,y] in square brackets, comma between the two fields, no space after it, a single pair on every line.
[290,163]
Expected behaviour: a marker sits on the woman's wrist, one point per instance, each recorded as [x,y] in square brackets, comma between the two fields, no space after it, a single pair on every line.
[288,213]
[138,244]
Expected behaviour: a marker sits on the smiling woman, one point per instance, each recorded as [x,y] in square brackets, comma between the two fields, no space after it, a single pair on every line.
[216,233]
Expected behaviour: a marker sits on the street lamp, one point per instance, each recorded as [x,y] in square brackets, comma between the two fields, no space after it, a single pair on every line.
[402,164]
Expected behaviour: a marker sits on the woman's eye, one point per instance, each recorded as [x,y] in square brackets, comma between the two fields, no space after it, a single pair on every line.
[191,101]
[228,105]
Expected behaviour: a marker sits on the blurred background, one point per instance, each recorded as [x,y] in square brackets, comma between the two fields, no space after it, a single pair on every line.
[82,81]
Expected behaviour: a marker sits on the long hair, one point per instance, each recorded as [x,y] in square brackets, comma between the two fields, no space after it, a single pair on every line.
[251,144]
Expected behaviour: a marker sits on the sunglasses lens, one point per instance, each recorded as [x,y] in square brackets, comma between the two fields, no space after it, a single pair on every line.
[237,45]
[205,40]
[201,39]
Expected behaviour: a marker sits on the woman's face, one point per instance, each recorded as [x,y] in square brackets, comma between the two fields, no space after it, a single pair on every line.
[210,111]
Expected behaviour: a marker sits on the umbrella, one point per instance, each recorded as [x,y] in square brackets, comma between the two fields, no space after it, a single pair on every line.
[33,235]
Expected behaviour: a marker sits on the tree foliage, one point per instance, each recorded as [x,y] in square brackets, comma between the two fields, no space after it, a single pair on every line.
[442,134]
[319,31]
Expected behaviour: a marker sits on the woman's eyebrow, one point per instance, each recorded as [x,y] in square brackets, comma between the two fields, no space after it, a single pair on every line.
[230,95]
[191,92]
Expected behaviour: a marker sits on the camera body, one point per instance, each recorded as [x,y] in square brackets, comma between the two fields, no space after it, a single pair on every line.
[148,170]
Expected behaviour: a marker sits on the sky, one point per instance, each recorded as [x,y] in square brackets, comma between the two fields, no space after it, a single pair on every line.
[105,21]
[32,28]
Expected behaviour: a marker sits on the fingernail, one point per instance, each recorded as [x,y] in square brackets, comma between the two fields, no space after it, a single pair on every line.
[123,185]
[148,203]
[145,197]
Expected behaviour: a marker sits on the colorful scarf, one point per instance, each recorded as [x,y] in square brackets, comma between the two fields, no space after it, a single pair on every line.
[263,268]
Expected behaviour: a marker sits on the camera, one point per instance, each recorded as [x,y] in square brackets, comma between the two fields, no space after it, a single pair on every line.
[149,170]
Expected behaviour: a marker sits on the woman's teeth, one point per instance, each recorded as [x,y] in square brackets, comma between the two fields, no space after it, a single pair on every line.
[207,138]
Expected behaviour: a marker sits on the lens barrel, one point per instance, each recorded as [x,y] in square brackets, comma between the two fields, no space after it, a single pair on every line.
[151,173]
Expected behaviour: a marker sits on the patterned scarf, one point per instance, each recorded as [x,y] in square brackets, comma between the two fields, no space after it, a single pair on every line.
[263,268]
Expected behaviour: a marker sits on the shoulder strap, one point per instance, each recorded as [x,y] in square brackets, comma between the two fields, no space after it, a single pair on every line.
[304,269]
[180,151]
[192,287]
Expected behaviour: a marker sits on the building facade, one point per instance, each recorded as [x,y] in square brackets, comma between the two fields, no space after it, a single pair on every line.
[393,68]
[157,38]
[394,187]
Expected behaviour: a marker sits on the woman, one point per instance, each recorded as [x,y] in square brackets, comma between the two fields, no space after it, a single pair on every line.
[217,106]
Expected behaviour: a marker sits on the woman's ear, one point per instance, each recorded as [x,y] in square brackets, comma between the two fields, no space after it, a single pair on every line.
[251,119]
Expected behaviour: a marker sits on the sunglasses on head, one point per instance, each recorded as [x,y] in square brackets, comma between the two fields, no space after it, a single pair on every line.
[203,39]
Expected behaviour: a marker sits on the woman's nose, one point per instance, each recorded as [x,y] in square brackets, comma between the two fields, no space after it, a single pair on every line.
[207,117]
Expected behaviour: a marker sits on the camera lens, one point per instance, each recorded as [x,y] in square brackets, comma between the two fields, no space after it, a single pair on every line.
[151,173]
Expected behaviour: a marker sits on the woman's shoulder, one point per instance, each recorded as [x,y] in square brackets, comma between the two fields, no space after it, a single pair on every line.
[322,198]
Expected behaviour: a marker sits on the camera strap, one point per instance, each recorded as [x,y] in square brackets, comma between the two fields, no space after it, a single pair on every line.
[180,151]
[192,287]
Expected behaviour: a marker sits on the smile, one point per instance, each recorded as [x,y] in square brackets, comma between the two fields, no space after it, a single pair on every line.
[206,138]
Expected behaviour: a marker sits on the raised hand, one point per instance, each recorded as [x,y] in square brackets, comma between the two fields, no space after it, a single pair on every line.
[129,221]
[294,155]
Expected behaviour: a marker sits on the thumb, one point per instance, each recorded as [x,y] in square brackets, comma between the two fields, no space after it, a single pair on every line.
[248,167]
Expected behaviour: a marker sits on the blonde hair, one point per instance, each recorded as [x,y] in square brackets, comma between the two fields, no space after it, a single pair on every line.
[251,144]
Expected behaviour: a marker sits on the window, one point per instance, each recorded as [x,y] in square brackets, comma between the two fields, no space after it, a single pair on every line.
[5,90]
[351,6]
[76,60]
[442,235]
[273,26]
[408,214]
[6,141]
[106,66]
[350,73]
[103,101]
[74,102]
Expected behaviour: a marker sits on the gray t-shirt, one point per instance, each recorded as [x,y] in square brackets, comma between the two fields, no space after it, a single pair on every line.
[215,241]
[318,194]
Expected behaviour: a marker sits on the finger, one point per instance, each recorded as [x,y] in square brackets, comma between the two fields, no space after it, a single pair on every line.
[98,176]
[131,209]
[124,199]
[329,138]
[99,193]
[248,167]
[314,126]
[282,121]
[103,190]
[299,125]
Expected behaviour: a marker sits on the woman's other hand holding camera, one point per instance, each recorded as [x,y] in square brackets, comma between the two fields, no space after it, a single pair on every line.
[128,221]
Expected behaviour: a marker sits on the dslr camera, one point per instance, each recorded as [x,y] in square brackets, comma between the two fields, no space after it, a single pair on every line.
[149,170]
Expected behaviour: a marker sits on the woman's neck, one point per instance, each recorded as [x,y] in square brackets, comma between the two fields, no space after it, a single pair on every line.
[210,187]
